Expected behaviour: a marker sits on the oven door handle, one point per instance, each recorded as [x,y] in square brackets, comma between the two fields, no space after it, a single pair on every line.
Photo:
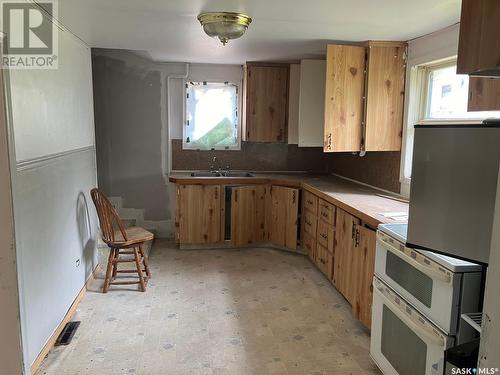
[427,270]
[439,341]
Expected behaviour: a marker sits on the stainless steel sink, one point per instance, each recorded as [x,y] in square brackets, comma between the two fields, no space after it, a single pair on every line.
[238,174]
[221,174]
[205,174]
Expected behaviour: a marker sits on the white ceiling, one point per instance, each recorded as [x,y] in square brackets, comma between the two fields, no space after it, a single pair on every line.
[281,29]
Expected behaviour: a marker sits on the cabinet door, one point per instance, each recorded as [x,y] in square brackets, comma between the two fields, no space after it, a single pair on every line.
[484,94]
[248,211]
[344,278]
[364,266]
[309,244]
[345,81]
[284,216]
[198,214]
[324,261]
[478,48]
[266,103]
[385,96]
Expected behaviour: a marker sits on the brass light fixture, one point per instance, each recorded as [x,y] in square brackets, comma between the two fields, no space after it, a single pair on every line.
[224,25]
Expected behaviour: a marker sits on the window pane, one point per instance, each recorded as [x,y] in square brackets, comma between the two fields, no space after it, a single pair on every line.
[448,93]
[447,96]
[211,116]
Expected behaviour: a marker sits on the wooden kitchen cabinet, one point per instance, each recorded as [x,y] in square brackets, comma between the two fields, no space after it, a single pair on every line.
[309,244]
[324,261]
[484,94]
[344,91]
[248,214]
[478,46]
[266,102]
[385,90]
[344,277]
[364,97]
[198,216]
[363,267]
[283,224]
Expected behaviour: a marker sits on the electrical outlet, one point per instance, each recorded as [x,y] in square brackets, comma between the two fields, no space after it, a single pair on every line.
[77,263]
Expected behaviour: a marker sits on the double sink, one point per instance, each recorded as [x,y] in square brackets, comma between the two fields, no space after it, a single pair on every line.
[233,174]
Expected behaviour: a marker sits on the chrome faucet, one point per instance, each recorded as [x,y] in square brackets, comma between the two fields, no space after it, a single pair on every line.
[212,166]
[218,169]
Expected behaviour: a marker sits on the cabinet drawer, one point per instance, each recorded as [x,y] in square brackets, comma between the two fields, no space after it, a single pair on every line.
[309,244]
[324,261]
[310,223]
[311,202]
[327,212]
[326,235]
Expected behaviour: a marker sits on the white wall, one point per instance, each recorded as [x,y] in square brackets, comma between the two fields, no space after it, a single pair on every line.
[489,354]
[436,46]
[11,361]
[51,117]
[312,103]
[293,104]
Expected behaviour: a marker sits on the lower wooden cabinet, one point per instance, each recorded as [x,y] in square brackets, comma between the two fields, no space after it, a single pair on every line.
[248,214]
[324,261]
[344,278]
[309,244]
[283,221]
[364,267]
[198,215]
[326,235]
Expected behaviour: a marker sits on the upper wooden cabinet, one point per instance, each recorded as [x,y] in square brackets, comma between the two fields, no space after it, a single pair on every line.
[479,43]
[385,92]
[484,94]
[266,102]
[364,97]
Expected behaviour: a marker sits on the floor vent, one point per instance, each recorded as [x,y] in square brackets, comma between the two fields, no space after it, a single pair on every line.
[67,333]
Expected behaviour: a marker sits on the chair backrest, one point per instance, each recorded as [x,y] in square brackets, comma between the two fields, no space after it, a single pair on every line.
[107,217]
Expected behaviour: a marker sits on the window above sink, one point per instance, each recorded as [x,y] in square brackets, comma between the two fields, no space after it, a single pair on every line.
[212,121]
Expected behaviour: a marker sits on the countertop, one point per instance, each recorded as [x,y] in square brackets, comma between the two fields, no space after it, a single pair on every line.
[371,205]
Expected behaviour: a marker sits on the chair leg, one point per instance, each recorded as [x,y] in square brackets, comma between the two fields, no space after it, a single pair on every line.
[109,270]
[145,260]
[139,270]
[115,264]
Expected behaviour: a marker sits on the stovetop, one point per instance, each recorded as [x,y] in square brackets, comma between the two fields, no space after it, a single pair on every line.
[399,231]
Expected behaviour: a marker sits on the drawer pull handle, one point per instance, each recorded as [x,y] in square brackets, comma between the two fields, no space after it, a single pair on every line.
[325,236]
[308,223]
[309,202]
[324,214]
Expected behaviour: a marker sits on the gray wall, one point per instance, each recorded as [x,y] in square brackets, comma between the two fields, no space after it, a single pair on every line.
[55,222]
[127,106]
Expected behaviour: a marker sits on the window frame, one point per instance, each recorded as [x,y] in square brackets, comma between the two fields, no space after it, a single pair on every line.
[417,102]
[239,102]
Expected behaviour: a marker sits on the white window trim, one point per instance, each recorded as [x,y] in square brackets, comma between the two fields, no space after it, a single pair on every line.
[415,111]
[239,86]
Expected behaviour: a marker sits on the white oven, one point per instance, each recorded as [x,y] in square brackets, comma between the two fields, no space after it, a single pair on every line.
[439,287]
[403,341]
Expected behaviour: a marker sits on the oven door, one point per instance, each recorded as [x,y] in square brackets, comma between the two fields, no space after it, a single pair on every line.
[403,342]
[432,289]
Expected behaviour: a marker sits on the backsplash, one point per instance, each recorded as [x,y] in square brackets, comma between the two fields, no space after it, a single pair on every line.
[380,169]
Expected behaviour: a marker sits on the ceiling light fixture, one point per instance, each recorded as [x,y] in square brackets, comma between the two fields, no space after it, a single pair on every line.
[224,25]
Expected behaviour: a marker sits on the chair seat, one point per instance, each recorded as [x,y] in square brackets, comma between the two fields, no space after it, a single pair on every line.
[135,235]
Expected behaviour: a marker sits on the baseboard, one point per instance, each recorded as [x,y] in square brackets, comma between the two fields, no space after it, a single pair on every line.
[69,315]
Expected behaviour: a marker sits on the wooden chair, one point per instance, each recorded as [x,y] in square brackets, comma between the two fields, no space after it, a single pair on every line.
[126,244]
